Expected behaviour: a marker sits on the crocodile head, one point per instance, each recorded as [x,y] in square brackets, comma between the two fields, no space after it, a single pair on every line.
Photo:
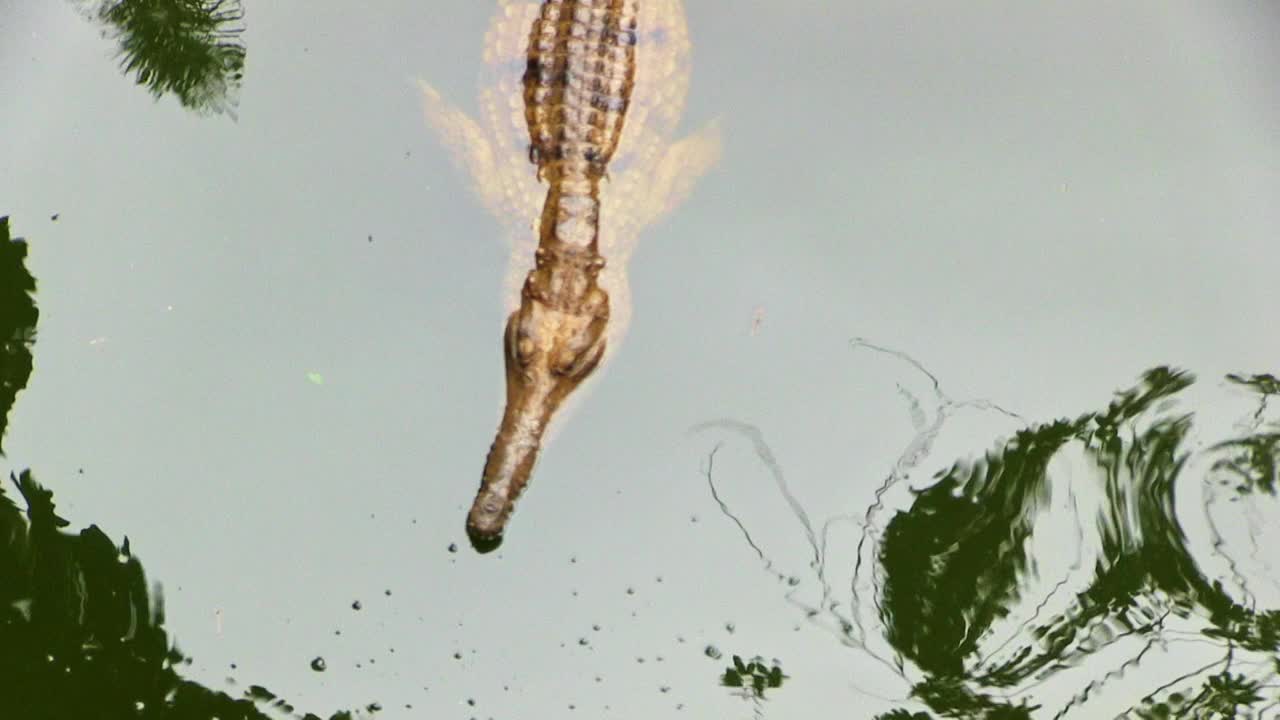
[552,343]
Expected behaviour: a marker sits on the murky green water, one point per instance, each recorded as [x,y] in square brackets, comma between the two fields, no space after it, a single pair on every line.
[949,389]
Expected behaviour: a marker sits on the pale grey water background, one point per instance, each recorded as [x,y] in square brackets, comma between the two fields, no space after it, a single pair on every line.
[1037,201]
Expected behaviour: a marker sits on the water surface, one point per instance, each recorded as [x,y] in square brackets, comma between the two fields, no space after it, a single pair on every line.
[267,353]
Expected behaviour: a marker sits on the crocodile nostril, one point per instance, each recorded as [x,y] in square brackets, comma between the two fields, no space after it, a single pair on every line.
[483,543]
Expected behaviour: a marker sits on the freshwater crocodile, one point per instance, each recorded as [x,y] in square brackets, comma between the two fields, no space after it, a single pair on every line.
[566,77]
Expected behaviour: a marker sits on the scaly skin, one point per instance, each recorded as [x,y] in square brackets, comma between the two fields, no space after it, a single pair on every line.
[552,343]
[577,88]
[651,172]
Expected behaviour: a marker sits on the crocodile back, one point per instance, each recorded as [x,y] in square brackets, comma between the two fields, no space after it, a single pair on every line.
[577,86]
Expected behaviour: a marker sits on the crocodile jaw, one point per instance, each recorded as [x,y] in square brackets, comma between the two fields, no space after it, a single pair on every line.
[548,353]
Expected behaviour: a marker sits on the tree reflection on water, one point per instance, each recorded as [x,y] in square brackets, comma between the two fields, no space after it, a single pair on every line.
[972,591]
[81,633]
[190,49]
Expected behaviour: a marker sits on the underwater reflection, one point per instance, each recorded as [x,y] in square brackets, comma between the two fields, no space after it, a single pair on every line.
[81,634]
[1119,564]
[190,49]
[753,679]
[18,315]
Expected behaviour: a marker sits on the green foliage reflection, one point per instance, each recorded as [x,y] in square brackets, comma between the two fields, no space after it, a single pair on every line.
[959,587]
[18,317]
[187,48]
[81,634]
[753,676]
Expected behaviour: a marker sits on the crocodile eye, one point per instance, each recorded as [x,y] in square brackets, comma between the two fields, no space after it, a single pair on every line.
[569,363]
[519,344]
[524,350]
[562,364]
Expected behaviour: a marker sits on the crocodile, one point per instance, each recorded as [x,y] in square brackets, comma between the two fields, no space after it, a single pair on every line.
[566,78]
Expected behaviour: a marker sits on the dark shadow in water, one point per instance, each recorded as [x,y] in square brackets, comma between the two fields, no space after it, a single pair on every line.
[80,635]
[190,49]
[753,679]
[956,590]
[18,317]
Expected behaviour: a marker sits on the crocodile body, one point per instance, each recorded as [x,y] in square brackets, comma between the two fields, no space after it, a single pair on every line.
[567,77]
[576,90]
